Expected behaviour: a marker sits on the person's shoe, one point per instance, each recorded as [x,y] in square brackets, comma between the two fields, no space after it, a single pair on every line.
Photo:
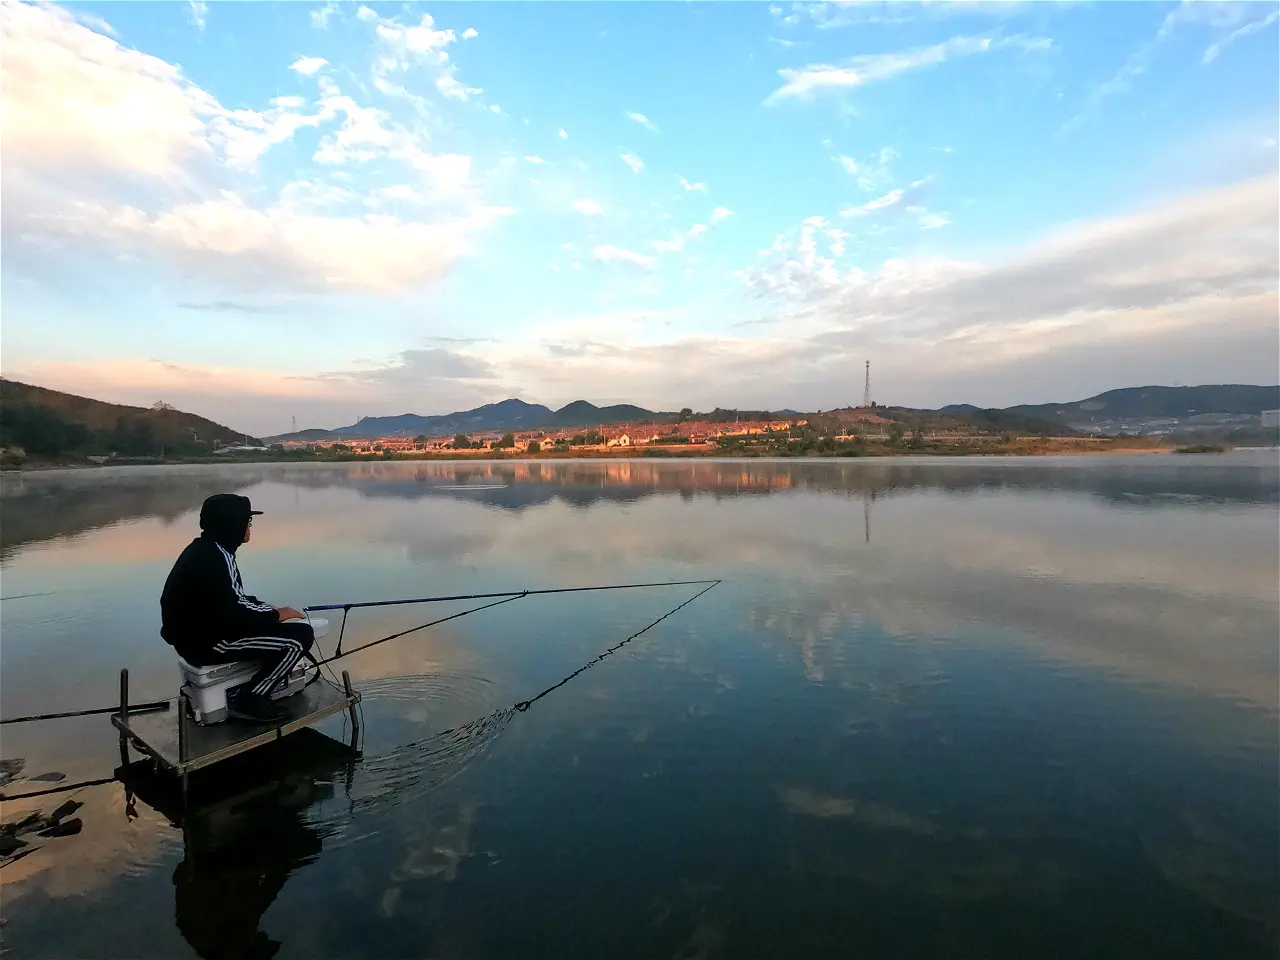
[255,707]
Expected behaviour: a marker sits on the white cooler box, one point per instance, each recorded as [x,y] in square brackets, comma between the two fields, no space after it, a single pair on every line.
[207,688]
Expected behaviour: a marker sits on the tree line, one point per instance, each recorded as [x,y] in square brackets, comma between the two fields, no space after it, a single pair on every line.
[43,432]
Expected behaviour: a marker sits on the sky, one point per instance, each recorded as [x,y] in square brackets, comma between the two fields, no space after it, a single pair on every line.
[263,212]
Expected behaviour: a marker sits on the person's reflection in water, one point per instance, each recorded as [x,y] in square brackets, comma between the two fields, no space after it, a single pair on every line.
[243,835]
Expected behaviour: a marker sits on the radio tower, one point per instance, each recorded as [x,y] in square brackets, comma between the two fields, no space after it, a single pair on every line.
[866,390]
[295,424]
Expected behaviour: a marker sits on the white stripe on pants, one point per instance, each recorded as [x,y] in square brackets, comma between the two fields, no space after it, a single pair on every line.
[280,653]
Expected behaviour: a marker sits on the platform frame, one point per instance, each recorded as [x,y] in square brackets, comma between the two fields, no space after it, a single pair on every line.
[199,746]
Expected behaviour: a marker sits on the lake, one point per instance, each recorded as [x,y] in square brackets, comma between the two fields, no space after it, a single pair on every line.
[935,708]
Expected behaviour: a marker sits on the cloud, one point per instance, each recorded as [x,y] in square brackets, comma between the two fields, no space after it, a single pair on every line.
[1188,12]
[411,367]
[697,230]
[644,121]
[890,199]
[117,153]
[720,213]
[229,306]
[838,14]
[588,208]
[198,11]
[320,16]
[673,245]
[281,248]
[872,172]
[1215,49]
[534,160]
[607,253]
[632,161]
[693,187]
[1197,263]
[563,134]
[470,33]
[804,82]
[406,51]
[308,66]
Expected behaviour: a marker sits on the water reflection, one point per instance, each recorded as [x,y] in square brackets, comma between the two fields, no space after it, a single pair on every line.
[244,833]
[929,696]
[60,503]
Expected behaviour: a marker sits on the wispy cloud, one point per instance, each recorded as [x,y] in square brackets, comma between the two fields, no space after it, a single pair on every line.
[890,199]
[198,11]
[632,161]
[693,187]
[1215,49]
[644,121]
[470,33]
[804,82]
[229,306]
[720,213]
[1187,13]
[321,15]
[308,66]
[608,253]
[535,160]
[564,135]
[588,208]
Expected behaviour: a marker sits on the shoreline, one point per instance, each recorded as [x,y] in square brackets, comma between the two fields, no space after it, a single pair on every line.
[640,454]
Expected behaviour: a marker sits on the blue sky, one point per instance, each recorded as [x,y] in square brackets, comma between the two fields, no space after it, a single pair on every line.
[266,210]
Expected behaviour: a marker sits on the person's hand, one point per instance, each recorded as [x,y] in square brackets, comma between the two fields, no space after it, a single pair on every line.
[288,613]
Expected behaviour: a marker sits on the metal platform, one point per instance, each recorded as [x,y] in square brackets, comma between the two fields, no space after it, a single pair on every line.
[183,746]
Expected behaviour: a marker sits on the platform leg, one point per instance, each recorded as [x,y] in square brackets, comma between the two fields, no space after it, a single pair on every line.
[351,705]
[124,713]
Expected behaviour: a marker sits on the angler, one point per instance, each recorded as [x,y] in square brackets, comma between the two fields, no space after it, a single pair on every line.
[209,619]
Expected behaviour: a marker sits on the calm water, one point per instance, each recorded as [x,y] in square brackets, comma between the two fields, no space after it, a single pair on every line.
[936,709]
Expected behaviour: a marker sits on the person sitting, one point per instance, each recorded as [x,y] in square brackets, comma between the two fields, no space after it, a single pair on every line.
[208,618]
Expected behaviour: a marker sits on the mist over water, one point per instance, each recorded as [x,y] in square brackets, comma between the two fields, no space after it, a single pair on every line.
[997,708]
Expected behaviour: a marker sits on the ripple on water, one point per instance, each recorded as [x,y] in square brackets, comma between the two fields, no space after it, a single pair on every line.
[408,772]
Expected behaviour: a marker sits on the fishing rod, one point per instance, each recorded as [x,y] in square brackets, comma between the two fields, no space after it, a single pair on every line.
[501,597]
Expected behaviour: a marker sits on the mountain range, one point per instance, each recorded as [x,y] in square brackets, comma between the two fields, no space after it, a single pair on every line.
[1149,403]
[1125,403]
[505,415]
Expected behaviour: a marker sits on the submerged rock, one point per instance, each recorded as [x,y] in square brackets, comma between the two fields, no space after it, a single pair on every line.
[65,810]
[67,828]
[10,769]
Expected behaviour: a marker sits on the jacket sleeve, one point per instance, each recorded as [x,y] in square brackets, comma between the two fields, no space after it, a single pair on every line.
[235,610]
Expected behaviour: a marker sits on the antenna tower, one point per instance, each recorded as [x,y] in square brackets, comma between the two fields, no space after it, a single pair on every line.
[866,390]
[295,424]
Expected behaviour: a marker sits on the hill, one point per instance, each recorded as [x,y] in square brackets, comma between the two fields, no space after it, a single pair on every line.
[512,414]
[1151,403]
[47,423]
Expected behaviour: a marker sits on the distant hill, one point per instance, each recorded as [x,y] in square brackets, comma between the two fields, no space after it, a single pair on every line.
[50,423]
[1157,403]
[513,414]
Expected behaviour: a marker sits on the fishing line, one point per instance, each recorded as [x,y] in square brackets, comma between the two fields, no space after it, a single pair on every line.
[339,653]
[508,593]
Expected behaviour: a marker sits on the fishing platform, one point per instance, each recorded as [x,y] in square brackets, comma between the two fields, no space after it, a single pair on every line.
[179,744]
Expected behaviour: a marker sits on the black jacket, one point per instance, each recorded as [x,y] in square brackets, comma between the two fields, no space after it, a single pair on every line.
[204,599]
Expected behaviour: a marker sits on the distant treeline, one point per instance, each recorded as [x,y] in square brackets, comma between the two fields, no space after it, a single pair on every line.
[42,432]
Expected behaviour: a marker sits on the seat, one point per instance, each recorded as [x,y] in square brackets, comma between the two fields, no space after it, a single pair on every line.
[207,688]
